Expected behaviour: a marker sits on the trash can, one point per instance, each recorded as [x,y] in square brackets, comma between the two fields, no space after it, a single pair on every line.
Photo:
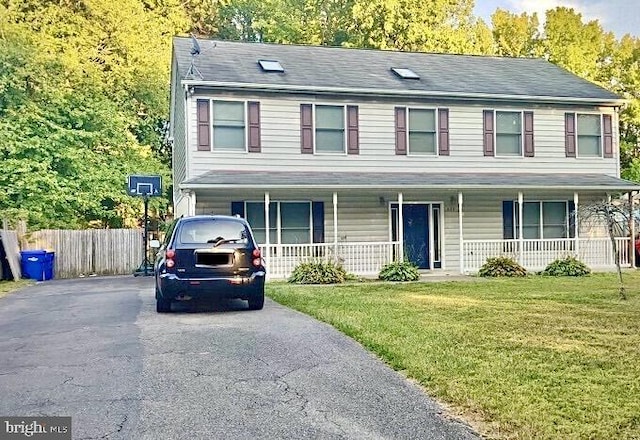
[49,266]
[37,264]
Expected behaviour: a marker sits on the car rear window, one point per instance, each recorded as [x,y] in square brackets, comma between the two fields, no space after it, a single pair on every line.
[212,231]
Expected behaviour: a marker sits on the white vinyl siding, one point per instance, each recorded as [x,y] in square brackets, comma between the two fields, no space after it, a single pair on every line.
[589,134]
[280,142]
[329,127]
[422,131]
[508,133]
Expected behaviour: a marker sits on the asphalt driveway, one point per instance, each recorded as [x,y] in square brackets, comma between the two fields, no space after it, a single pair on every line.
[96,350]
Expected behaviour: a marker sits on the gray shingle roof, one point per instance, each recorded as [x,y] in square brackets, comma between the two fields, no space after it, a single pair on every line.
[324,68]
[398,181]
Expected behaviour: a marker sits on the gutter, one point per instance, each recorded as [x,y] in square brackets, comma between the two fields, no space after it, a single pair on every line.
[404,186]
[296,89]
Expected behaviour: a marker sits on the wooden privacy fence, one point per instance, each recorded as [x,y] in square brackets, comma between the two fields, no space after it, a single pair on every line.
[90,251]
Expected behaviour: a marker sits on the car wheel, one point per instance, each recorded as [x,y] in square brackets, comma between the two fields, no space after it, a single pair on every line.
[256,302]
[163,306]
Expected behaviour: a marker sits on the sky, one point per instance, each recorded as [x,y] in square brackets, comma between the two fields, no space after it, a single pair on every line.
[619,16]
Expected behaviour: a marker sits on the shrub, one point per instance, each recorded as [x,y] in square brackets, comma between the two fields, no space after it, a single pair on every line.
[566,267]
[502,267]
[319,272]
[399,271]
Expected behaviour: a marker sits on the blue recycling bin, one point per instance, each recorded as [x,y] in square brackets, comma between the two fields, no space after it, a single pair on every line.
[37,264]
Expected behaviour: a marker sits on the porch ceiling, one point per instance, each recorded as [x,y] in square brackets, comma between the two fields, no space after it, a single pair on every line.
[399,181]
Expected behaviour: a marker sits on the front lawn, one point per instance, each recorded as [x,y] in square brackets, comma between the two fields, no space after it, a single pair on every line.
[527,358]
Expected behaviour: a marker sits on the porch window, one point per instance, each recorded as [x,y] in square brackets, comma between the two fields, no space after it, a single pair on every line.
[229,125]
[422,131]
[255,217]
[330,122]
[542,220]
[589,136]
[289,222]
[508,133]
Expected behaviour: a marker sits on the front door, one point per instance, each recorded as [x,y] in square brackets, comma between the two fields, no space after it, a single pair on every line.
[416,233]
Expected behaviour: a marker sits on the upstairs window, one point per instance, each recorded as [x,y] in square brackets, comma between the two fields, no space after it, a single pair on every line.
[229,125]
[508,133]
[589,136]
[422,131]
[330,131]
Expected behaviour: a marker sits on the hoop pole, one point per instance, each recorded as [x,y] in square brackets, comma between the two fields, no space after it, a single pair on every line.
[146,232]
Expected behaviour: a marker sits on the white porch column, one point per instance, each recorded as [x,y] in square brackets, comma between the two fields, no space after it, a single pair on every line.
[460,234]
[576,227]
[267,239]
[400,228]
[520,236]
[192,203]
[335,224]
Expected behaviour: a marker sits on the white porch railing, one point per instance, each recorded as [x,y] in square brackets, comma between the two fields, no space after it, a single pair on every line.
[360,258]
[536,254]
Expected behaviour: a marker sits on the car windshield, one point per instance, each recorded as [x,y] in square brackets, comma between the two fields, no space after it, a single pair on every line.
[213,231]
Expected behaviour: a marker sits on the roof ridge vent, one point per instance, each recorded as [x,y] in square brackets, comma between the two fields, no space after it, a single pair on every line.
[271,66]
[405,73]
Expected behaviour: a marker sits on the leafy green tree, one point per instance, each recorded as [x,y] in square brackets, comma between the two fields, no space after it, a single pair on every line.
[516,35]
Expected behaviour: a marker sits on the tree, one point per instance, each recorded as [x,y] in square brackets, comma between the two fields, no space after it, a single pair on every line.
[516,35]
[616,217]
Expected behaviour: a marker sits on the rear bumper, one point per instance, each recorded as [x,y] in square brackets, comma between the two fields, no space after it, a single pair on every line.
[171,287]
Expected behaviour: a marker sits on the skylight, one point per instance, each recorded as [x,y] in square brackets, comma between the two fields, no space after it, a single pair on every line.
[271,66]
[405,73]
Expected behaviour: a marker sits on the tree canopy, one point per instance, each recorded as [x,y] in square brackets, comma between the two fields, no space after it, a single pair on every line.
[84,84]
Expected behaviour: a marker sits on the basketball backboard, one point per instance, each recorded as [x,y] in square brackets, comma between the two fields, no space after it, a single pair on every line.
[145,186]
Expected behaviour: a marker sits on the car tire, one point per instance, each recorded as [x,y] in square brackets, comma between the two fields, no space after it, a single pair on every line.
[163,306]
[256,302]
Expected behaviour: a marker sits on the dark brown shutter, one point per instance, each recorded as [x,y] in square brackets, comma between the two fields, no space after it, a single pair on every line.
[253,117]
[401,130]
[528,135]
[570,134]
[306,128]
[443,131]
[489,139]
[204,125]
[607,131]
[353,141]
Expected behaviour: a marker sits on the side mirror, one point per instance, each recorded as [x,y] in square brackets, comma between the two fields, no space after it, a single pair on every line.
[155,244]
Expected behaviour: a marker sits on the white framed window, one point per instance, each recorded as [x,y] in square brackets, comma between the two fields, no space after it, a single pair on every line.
[540,220]
[229,125]
[330,121]
[508,133]
[289,222]
[421,132]
[589,135]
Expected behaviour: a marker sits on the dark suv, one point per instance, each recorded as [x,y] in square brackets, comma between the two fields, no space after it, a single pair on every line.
[209,257]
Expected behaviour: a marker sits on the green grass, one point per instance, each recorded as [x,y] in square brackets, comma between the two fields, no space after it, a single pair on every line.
[9,286]
[518,358]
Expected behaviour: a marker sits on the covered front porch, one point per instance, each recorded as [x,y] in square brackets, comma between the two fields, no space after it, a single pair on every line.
[439,224]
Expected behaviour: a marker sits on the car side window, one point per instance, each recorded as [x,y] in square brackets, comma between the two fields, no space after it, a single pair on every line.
[167,238]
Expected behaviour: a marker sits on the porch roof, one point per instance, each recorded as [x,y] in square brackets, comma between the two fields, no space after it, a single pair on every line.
[455,181]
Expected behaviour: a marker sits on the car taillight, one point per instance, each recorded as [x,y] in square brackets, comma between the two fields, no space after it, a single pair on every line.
[257,257]
[170,258]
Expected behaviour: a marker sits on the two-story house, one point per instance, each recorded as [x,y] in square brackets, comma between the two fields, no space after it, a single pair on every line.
[370,156]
